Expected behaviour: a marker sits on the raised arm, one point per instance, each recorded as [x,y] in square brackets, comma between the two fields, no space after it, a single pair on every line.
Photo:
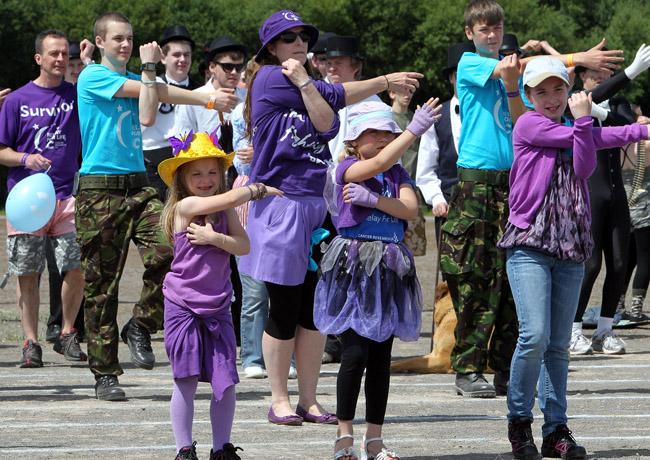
[422,120]
[148,100]
[509,69]
[320,112]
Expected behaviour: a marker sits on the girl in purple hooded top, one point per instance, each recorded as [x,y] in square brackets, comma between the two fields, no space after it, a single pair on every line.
[548,238]
[368,292]
[291,118]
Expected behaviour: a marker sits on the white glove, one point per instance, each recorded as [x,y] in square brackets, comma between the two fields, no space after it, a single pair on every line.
[640,64]
[599,112]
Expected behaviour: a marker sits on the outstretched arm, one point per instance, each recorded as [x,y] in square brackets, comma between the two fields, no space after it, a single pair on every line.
[204,205]
[400,82]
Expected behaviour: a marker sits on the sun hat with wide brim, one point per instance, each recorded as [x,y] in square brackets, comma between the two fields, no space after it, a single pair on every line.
[370,115]
[194,146]
[279,22]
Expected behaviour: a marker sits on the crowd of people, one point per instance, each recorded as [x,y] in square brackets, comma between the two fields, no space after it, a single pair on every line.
[277,205]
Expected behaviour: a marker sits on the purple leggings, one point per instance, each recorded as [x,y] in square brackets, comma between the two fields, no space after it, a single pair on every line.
[181,410]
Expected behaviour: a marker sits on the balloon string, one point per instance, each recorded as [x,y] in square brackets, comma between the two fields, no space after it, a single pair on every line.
[48,169]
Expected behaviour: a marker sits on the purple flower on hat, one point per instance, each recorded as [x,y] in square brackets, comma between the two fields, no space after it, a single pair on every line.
[182,143]
[215,139]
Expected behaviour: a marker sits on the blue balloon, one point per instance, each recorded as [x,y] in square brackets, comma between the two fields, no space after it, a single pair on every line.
[31,202]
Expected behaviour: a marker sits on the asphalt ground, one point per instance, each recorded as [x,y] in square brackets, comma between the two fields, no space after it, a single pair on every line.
[51,413]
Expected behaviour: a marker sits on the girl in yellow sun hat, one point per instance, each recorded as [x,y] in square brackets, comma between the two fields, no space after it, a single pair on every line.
[200,220]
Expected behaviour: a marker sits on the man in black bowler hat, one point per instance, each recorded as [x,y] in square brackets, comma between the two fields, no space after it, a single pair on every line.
[226,60]
[319,53]
[436,169]
[177,46]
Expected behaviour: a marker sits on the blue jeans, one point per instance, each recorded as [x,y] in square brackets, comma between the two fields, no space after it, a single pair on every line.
[254,310]
[546,292]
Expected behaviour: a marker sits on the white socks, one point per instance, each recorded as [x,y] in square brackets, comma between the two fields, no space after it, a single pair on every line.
[576,328]
[604,325]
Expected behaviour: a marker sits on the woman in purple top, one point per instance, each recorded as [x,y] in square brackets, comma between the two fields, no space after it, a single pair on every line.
[291,118]
[548,238]
[199,218]
[369,291]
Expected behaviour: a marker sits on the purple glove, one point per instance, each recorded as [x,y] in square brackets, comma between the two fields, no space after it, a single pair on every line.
[361,196]
[423,119]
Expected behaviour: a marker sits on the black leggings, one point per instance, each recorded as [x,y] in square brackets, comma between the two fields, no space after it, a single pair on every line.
[289,307]
[642,276]
[361,354]
[610,227]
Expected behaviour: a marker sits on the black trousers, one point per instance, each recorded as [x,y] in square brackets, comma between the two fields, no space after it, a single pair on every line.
[359,354]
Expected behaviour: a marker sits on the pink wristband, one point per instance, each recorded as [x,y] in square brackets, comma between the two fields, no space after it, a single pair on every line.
[23,160]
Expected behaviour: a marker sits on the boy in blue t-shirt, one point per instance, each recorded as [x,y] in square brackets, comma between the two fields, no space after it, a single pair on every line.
[115,204]
[488,93]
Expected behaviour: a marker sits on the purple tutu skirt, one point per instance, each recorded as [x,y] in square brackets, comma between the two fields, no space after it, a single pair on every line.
[203,346]
[370,287]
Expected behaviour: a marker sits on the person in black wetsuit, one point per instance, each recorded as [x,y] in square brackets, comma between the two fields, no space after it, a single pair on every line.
[609,209]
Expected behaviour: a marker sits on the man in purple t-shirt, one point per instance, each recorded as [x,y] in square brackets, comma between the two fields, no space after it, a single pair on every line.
[39,129]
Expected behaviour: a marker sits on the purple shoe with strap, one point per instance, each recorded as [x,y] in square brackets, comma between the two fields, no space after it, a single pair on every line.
[325,418]
[292,419]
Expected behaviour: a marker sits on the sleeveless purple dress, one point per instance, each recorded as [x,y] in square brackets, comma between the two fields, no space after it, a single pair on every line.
[199,333]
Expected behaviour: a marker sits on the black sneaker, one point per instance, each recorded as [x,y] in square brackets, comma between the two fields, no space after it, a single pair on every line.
[474,385]
[521,439]
[227,452]
[139,341]
[187,453]
[53,333]
[501,382]
[68,346]
[107,388]
[32,355]
[561,444]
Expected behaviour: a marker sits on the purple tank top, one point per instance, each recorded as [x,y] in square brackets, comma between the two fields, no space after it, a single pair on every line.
[199,278]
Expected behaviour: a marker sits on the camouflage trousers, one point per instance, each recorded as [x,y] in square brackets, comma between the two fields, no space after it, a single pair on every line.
[475,271]
[107,221]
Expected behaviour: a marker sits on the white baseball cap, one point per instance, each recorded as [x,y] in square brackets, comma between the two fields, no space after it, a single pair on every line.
[539,69]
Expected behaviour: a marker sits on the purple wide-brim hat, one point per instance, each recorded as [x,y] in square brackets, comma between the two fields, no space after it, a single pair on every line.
[279,22]
[370,115]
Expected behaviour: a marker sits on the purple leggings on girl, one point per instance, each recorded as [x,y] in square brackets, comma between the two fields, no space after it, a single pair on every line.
[181,409]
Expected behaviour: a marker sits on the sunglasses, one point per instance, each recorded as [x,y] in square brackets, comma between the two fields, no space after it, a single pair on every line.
[229,67]
[290,37]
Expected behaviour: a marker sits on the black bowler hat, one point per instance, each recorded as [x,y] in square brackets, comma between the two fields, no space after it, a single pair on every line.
[510,45]
[321,45]
[454,53]
[339,45]
[223,44]
[74,50]
[173,33]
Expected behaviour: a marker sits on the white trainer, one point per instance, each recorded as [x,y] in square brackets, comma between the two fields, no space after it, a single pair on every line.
[254,372]
[609,343]
[580,345]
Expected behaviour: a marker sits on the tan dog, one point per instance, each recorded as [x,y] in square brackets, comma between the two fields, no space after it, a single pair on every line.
[438,361]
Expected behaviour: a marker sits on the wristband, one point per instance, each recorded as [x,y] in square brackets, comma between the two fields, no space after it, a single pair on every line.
[569,60]
[23,160]
[306,83]
[210,103]
[512,93]
[387,83]
[148,83]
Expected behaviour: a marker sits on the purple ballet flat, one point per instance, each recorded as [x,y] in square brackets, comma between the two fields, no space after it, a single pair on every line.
[292,420]
[325,419]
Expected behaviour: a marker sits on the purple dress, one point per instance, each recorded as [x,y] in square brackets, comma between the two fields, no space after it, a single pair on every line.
[199,333]
[292,155]
[368,280]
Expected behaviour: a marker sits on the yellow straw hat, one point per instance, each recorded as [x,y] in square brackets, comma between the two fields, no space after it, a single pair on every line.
[193,146]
